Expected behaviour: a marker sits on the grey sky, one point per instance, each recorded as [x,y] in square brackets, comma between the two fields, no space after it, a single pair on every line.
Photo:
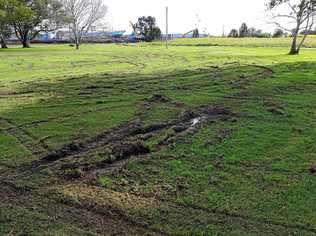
[185,14]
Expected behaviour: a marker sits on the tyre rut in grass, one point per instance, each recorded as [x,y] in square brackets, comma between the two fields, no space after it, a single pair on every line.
[128,140]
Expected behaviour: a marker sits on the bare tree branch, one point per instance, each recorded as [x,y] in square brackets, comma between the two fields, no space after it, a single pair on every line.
[83,14]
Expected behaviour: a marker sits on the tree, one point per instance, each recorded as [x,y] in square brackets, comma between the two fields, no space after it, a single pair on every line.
[233,33]
[196,33]
[253,32]
[147,29]
[243,31]
[5,29]
[278,33]
[31,17]
[155,33]
[82,15]
[5,32]
[299,16]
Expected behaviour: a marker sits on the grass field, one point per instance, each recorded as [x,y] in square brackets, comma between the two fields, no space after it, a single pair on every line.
[139,140]
[244,42]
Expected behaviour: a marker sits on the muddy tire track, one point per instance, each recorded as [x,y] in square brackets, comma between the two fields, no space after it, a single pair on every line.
[129,137]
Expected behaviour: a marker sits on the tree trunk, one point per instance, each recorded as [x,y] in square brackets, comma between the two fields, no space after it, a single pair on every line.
[26,43]
[302,41]
[77,41]
[294,50]
[3,43]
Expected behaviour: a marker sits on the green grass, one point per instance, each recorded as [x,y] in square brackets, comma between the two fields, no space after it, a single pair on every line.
[243,42]
[105,182]
[247,175]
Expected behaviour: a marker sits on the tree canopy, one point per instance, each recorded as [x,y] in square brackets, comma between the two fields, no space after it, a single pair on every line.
[243,31]
[30,17]
[146,27]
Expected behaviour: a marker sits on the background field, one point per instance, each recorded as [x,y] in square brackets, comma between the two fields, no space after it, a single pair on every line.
[140,140]
[243,42]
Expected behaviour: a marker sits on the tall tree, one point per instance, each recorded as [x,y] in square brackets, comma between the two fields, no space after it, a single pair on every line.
[31,17]
[82,15]
[146,27]
[243,31]
[5,33]
[293,16]
[278,33]
[5,29]
[233,33]
[196,33]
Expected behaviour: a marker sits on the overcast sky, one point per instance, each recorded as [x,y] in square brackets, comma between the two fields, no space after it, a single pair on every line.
[209,15]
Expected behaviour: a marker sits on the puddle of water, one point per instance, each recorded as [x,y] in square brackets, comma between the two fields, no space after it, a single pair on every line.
[195,121]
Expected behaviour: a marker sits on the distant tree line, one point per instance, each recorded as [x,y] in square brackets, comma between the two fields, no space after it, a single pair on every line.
[29,18]
[252,32]
[309,32]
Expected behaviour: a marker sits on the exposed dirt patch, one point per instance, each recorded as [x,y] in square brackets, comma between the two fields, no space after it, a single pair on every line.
[159,98]
[125,150]
[312,169]
[217,110]
[69,149]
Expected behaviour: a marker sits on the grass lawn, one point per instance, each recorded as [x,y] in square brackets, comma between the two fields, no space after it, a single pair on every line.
[211,137]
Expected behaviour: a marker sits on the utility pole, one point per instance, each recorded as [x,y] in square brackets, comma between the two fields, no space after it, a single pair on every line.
[167,33]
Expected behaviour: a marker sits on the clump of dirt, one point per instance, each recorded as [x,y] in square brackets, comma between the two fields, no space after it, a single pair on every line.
[188,115]
[159,98]
[128,149]
[179,128]
[154,127]
[71,148]
[73,165]
[71,174]
[217,110]
[312,169]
